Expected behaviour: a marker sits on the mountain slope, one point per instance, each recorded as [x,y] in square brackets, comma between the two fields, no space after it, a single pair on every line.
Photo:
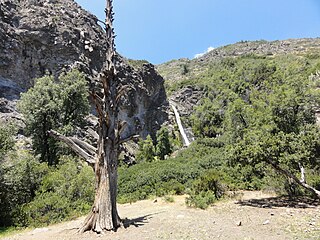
[188,81]
[182,69]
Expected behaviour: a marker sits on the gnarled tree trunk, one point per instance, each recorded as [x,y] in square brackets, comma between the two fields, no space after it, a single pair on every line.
[104,215]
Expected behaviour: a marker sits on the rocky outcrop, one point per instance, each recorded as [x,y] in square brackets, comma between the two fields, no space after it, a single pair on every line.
[39,37]
[185,100]
[145,106]
[48,37]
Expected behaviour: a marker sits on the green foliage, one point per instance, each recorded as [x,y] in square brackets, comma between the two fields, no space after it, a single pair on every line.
[146,151]
[265,110]
[172,176]
[207,119]
[208,188]
[201,200]
[137,63]
[6,139]
[22,176]
[31,193]
[184,69]
[65,192]
[59,105]
[163,147]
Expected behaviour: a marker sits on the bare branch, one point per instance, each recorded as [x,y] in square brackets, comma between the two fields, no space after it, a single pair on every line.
[93,133]
[128,139]
[90,149]
[74,146]
[303,178]
[294,178]
[123,90]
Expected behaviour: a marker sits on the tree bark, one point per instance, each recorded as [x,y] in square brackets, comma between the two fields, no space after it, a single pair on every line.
[104,215]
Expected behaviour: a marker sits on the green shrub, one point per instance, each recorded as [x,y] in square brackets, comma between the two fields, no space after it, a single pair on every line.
[201,200]
[46,208]
[168,199]
[7,132]
[65,192]
[172,176]
[208,188]
[22,176]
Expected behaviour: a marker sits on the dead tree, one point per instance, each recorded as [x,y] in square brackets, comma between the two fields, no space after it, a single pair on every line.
[104,159]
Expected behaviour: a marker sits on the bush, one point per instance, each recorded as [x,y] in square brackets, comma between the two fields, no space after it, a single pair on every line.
[168,199]
[172,176]
[201,200]
[208,188]
[6,139]
[65,192]
[22,176]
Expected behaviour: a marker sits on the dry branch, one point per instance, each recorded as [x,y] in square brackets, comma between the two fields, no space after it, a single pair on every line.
[76,145]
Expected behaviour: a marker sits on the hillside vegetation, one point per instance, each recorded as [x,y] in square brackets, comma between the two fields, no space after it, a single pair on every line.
[256,129]
[261,100]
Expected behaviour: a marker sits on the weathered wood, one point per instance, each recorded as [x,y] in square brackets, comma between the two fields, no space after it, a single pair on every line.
[301,182]
[133,137]
[77,146]
[104,215]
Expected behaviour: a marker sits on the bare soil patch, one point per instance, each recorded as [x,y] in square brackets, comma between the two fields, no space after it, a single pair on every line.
[253,215]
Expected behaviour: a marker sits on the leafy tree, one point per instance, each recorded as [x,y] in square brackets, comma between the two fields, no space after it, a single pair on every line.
[59,105]
[163,146]
[146,151]
[265,110]
[277,127]
[207,119]
[21,177]
[6,144]
[6,139]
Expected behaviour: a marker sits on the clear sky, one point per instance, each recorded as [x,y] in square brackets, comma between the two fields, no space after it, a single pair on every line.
[162,30]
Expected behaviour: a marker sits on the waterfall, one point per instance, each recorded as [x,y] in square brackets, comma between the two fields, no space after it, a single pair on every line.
[181,129]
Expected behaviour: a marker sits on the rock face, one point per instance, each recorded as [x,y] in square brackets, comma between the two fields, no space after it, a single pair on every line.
[185,100]
[47,37]
[39,37]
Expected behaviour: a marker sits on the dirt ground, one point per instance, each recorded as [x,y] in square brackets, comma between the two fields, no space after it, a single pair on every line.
[252,215]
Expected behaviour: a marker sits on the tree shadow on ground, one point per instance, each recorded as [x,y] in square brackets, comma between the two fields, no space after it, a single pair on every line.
[281,202]
[138,222]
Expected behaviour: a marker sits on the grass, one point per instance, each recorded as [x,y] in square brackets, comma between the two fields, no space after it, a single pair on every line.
[168,199]
[8,231]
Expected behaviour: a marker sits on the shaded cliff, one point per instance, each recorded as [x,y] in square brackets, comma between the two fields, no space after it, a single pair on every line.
[53,36]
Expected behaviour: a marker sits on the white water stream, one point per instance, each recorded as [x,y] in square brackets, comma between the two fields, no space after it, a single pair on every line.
[181,129]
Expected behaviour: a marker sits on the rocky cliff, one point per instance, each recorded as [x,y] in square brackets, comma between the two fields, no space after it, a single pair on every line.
[39,37]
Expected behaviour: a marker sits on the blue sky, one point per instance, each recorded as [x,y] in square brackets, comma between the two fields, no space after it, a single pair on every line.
[161,30]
